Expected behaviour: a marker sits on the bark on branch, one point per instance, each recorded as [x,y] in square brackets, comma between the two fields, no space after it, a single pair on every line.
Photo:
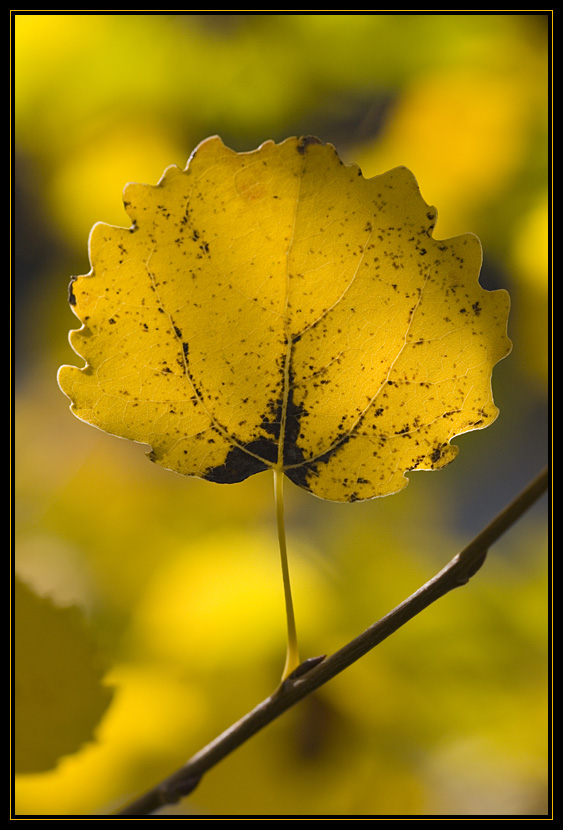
[317,671]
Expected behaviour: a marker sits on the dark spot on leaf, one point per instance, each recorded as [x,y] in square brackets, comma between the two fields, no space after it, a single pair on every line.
[436,455]
[301,474]
[292,453]
[240,464]
[305,141]
[271,423]
[71,297]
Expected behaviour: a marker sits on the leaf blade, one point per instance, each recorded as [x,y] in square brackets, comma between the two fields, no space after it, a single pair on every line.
[275,309]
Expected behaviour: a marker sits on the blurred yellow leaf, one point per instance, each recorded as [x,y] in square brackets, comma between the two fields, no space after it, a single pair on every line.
[276,310]
[464,132]
[59,695]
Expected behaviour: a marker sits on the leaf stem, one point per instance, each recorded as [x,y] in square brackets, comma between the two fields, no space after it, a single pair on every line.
[292,656]
[315,672]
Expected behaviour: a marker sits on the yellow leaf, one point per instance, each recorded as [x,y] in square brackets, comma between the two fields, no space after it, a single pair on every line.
[59,694]
[274,309]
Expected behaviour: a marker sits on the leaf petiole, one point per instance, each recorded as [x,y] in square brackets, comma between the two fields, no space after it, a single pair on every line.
[292,657]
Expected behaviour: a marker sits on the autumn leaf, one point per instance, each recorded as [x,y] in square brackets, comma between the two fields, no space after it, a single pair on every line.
[58,681]
[274,309]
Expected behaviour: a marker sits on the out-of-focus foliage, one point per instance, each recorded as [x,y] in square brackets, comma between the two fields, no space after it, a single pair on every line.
[59,694]
[179,578]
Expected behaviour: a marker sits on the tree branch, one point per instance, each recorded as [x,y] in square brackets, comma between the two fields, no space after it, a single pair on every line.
[317,671]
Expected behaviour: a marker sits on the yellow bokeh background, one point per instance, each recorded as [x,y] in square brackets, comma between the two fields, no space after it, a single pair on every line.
[179,579]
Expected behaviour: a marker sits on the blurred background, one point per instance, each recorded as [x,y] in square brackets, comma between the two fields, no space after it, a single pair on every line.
[178,579]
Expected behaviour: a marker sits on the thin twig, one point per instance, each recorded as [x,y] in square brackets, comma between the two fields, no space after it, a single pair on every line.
[316,671]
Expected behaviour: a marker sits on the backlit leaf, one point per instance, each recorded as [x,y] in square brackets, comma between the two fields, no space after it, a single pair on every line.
[274,309]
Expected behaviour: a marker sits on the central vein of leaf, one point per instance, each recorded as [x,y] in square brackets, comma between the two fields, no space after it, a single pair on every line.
[287,331]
